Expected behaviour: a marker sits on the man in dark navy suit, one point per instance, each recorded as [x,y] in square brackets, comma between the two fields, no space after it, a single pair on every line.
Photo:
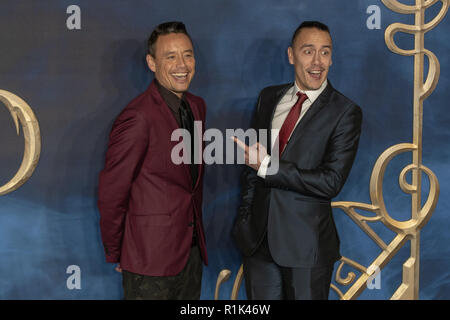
[285,228]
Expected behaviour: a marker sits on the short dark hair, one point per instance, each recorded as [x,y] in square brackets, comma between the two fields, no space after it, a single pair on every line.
[310,24]
[163,29]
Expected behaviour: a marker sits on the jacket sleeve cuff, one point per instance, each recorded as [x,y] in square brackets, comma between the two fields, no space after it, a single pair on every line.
[111,258]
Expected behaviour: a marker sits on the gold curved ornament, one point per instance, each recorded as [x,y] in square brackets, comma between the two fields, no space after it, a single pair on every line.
[405,230]
[224,275]
[21,112]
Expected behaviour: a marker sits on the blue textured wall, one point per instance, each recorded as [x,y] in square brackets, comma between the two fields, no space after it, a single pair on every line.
[78,81]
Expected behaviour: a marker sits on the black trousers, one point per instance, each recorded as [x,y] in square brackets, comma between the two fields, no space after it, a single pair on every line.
[184,286]
[266,280]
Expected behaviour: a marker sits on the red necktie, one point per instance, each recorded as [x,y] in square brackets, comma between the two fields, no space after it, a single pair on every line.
[291,120]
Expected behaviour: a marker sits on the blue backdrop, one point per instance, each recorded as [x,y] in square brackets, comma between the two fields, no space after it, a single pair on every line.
[77,81]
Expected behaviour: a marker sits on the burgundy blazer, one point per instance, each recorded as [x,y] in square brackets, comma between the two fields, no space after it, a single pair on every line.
[147,203]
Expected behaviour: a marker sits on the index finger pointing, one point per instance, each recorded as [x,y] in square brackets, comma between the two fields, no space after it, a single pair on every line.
[241,144]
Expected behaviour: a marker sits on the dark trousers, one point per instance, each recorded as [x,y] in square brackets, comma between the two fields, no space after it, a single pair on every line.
[184,286]
[266,280]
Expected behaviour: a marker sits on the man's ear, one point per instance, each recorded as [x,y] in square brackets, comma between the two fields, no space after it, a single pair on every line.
[290,53]
[151,62]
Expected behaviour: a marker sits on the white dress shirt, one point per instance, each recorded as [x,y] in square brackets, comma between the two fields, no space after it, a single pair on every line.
[281,113]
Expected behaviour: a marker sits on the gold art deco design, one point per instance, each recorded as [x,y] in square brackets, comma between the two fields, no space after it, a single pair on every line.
[21,112]
[405,230]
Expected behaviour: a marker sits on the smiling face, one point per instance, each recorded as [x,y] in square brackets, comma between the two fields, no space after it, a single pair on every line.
[310,54]
[174,62]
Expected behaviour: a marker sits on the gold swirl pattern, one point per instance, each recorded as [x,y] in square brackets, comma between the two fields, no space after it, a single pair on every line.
[21,112]
[405,230]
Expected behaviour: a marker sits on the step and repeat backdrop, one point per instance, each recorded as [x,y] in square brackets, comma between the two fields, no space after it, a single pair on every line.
[78,63]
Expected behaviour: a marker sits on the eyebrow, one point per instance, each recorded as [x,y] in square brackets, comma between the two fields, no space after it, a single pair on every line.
[310,45]
[174,52]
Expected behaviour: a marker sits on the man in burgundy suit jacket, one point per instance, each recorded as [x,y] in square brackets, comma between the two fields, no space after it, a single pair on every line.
[150,207]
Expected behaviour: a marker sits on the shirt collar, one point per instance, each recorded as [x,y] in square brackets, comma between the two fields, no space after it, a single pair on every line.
[311,94]
[170,98]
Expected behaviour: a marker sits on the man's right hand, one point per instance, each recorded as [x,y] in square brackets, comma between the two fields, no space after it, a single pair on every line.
[118,268]
[254,154]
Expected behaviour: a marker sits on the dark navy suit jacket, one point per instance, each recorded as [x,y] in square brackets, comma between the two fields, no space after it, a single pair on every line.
[293,206]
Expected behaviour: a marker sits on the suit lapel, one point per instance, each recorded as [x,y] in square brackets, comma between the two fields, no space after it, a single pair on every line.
[163,107]
[268,115]
[173,125]
[313,110]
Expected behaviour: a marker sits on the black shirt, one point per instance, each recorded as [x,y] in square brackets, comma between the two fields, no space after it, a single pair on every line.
[174,102]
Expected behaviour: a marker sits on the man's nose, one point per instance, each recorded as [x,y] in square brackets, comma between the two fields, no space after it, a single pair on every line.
[316,59]
[180,61]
